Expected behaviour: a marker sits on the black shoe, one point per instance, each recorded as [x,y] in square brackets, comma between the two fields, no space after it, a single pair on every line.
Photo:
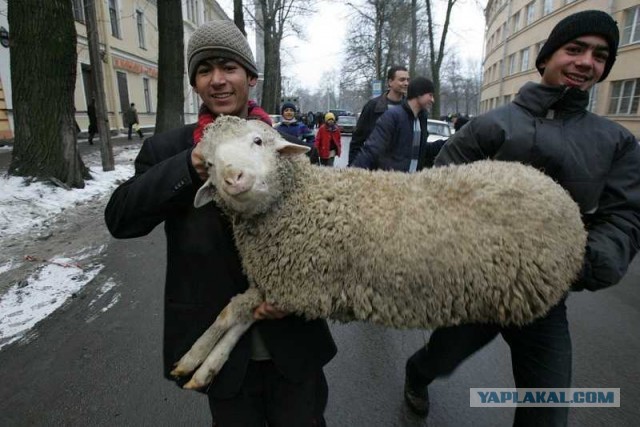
[416,397]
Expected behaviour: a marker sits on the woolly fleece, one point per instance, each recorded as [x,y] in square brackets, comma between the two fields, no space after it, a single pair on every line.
[492,242]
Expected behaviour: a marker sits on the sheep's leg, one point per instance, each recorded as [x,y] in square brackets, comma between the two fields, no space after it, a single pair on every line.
[218,356]
[238,311]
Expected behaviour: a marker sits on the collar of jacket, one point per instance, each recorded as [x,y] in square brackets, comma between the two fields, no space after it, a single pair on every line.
[539,99]
[422,115]
[382,103]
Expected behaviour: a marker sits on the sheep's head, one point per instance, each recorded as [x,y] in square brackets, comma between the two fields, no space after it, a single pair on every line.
[244,161]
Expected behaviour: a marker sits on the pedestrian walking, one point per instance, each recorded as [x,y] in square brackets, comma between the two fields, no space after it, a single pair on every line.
[397,83]
[132,122]
[328,140]
[93,120]
[399,139]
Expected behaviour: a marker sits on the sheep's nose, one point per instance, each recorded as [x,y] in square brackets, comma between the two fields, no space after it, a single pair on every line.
[236,181]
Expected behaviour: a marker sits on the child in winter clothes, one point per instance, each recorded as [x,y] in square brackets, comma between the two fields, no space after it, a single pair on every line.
[328,140]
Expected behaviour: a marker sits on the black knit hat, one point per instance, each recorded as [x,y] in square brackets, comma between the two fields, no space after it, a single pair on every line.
[418,87]
[579,24]
[219,39]
[287,105]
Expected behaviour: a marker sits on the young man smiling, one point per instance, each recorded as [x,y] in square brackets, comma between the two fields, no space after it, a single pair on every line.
[597,161]
[273,376]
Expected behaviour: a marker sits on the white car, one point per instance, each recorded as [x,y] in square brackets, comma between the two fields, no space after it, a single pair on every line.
[438,130]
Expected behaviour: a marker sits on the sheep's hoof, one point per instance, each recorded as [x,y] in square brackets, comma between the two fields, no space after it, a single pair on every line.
[179,371]
[192,385]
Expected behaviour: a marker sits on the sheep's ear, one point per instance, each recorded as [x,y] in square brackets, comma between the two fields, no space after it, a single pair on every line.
[288,149]
[204,194]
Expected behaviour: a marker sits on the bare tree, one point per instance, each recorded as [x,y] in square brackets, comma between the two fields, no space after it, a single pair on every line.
[43,39]
[437,56]
[377,40]
[414,38]
[238,16]
[170,66]
[277,17]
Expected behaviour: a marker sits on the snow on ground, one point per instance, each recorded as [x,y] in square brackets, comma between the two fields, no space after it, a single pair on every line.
[25,207]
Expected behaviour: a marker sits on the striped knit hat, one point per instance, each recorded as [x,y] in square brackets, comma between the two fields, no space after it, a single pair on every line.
[219,39]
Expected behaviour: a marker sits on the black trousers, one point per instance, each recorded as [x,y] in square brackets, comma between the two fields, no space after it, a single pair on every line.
[139,132]
[540,357]
[269,399]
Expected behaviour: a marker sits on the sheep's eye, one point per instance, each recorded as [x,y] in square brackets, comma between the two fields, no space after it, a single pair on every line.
[209,164]
[257,140]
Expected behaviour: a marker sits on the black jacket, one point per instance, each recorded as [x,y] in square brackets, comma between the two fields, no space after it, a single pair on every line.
[203,267]
[596,160]
[390,144]
[371,112]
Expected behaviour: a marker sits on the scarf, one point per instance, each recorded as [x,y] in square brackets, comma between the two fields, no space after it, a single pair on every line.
[206,117]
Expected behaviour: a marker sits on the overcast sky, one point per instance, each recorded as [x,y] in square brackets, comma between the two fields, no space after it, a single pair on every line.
[307,60]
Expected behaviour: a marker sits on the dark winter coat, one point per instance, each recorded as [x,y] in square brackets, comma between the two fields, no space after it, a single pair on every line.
[390,145]
[93,120]
[298,130]
[326,139]
[130,116]
[370,114]
[596,160]
[203,267]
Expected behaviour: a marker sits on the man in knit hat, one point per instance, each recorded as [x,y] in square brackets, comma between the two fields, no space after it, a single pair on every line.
[596,160]
[399,139]
[274,374]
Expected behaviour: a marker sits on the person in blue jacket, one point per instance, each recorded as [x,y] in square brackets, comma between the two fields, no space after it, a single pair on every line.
[399,139]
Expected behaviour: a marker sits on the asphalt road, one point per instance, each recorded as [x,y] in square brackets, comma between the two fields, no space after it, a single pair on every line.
[99,363]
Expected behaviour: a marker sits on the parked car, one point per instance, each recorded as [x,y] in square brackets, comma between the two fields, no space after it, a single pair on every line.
[438,130]
[275,119]
[347,124]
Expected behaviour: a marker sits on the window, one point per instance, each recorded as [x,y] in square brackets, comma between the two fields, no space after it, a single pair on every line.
[547,7]
[515,22]
[506,99]
[512,64]
[140,24]
[147,94]
[631,30]
[78,10]
[625,95]
[531,12]
[192,8]
[113,17]
[524,59]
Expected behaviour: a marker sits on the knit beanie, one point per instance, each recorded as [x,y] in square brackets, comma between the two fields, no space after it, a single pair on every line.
[329,116]
[287,105]
[588,22]
[219,39]
[418,87]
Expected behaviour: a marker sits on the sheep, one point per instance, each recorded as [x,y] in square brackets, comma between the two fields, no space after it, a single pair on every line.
[493,242]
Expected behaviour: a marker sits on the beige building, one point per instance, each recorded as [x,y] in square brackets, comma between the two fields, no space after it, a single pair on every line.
[129,49]
[517,29]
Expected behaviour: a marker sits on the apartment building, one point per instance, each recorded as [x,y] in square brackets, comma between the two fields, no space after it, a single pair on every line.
[128,34]
[517,29]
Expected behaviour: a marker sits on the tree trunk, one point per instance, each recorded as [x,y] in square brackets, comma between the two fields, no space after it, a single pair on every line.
[238,16]
[170,66]
[43,69]
[414,38]
[97,76]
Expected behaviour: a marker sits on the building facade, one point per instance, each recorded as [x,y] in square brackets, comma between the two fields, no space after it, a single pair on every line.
[128,34]
[517,29]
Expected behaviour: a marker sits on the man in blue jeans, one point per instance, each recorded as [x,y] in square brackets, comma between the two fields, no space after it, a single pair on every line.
[597,161]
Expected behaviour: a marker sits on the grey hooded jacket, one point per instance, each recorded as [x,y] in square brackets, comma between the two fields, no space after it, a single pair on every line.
[596,160]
